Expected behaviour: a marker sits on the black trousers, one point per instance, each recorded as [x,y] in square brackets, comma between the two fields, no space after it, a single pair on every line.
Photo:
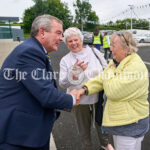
[106,53]
[6,146]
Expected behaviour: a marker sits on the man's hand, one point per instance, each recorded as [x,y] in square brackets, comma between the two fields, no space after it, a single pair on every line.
[78,94]
[75,94]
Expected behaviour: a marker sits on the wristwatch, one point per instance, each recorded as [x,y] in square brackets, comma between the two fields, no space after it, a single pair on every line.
[86,89]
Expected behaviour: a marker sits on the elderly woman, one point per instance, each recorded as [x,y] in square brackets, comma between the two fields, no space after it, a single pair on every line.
[125,82]
[76,67]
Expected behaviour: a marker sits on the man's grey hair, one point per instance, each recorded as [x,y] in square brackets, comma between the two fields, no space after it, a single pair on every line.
[72,31]
[45,21]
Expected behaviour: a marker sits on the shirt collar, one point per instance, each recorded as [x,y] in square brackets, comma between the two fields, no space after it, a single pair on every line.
[116,63]
[45,50]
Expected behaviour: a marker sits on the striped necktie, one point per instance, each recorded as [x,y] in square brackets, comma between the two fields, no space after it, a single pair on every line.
[49,59]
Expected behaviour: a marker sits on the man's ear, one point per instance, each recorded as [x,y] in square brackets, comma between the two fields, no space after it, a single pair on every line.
[41,32]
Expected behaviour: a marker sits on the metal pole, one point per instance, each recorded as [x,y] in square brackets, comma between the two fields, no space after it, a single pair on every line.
[131,18]
[149,23]
[131,7]
[81,16]
[10,29]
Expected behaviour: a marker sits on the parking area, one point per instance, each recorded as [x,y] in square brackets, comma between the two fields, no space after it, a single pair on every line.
[65,132]
[6,46]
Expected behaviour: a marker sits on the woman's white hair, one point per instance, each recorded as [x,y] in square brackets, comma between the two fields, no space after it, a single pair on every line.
[72,31]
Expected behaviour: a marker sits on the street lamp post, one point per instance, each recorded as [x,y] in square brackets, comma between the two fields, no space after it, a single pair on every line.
[131,8]
[10,29]
[149,23]
[81,16]
[126,25]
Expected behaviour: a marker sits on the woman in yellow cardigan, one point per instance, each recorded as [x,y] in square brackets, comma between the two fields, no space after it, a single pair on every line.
[125,82]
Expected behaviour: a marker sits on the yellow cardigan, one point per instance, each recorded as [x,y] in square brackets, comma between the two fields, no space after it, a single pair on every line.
[126,88]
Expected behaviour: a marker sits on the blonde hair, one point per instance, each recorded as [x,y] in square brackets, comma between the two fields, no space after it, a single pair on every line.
[127,41]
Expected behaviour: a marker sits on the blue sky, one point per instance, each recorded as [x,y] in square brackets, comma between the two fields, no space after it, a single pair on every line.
[105,9]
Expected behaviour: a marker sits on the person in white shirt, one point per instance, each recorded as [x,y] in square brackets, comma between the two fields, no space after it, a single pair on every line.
[77,67]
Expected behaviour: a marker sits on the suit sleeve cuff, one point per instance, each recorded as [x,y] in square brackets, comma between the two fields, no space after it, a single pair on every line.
[74,100]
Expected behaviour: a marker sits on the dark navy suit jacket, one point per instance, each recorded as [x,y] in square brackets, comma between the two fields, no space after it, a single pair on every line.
[27,98]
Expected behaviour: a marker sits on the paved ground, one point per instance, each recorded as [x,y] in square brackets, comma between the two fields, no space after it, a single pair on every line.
[65,132]
[6,46]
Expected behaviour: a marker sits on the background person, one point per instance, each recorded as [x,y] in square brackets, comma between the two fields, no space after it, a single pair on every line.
[28,105]
[106,46]
[126,112]
[84,58]
[97,39]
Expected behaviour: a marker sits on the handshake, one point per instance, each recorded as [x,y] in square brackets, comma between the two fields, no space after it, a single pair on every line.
[78,94]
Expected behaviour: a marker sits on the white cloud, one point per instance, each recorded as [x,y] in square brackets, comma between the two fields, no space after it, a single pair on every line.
[105,9]
[14,8]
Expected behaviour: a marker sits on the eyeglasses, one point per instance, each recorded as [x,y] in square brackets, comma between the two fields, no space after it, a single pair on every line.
[121,34]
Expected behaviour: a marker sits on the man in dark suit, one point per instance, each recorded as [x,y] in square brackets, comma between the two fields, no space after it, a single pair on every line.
[28,93]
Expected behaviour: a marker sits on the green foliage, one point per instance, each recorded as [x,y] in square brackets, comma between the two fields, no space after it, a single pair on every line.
[126,24]
[52,7]
[29,16]
[61,11]
[84,13]
[142,24]
[3,24]
[92,17]
[12,24]
[26,35]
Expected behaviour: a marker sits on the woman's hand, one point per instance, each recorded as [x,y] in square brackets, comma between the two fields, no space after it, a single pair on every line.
[82,91]
[81,64]
[76,96]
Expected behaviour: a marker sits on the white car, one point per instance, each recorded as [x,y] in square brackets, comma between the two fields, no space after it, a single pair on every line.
[143,38]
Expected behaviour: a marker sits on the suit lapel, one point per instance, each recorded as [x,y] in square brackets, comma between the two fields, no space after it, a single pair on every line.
[49,69]
[48,65]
